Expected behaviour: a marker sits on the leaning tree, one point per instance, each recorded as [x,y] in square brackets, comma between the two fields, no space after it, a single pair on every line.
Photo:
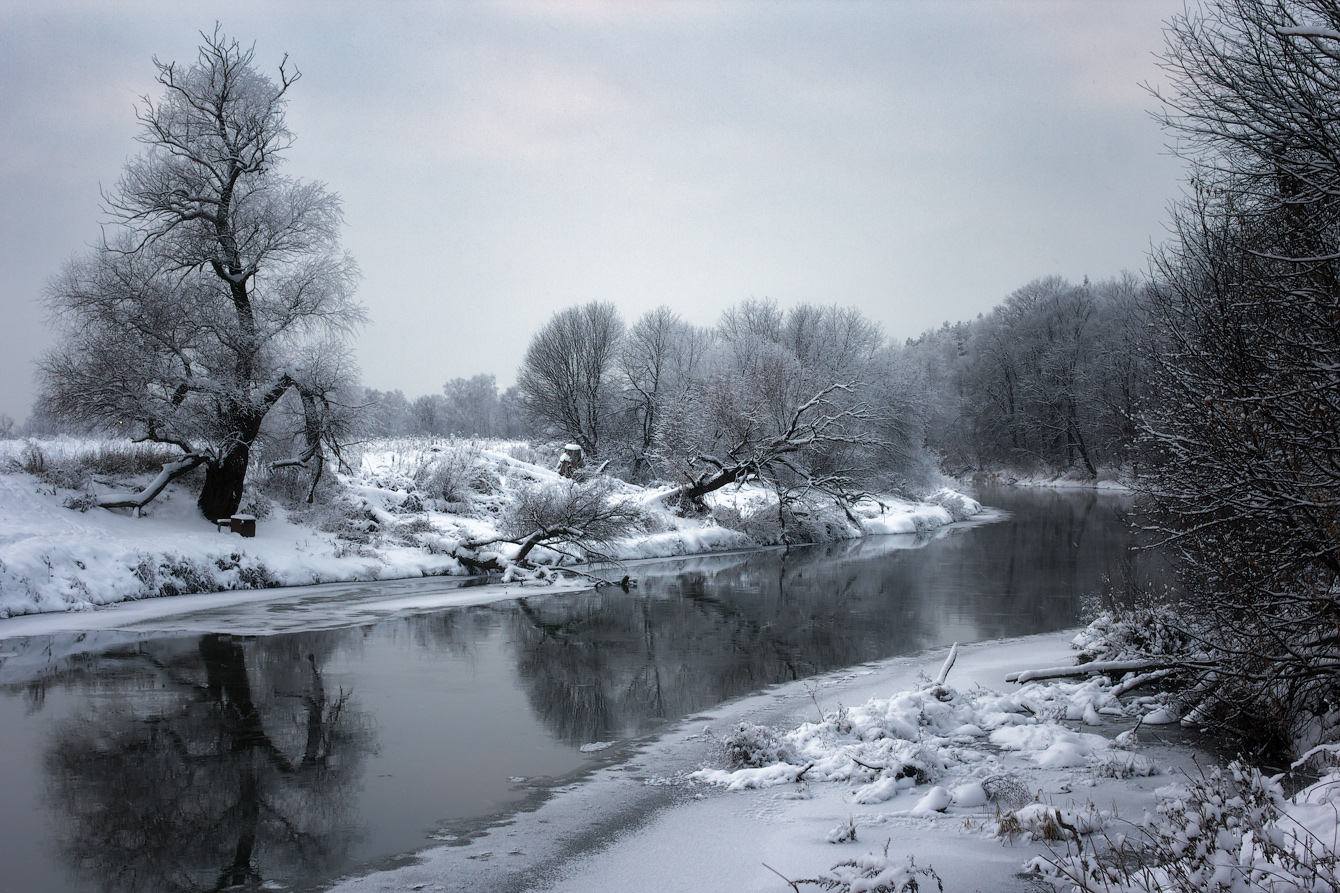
[219,290]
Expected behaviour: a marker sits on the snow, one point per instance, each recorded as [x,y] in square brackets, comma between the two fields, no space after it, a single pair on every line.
[982,815]
[54,557]
[1109,480]
[672,818]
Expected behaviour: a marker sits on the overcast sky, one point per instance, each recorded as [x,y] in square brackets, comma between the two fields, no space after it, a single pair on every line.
[500,161]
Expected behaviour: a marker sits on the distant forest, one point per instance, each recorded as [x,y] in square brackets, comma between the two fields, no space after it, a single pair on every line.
[1050,380]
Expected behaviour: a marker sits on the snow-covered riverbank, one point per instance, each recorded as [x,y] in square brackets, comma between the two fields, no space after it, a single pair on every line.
[994,779]
[1109,480]
[58,554]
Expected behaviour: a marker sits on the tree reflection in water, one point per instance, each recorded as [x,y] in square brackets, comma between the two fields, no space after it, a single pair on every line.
[230,772]
[609,664]
[613,664]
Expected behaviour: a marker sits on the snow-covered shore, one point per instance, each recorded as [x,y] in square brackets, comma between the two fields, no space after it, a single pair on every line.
[1109,480]
[55,557]
[999,778]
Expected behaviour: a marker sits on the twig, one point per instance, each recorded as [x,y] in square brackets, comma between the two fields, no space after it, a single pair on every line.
[813,690]
[782,876]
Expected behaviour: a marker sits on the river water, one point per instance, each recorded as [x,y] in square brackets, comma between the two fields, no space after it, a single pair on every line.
[204,754]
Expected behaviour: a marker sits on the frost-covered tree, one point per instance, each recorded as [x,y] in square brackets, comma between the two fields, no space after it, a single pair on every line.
[388,412]
[791,399]
[472,406]
[1244,432]
[219,288]
[1052,377]
[657,362]
[566,380]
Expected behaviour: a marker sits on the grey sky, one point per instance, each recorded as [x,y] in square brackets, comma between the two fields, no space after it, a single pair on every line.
[499,161]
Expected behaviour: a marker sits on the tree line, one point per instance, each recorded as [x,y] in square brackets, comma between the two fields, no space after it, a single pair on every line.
[1052,379]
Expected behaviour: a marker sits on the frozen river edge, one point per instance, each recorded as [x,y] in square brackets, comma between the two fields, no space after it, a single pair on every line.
[641,823]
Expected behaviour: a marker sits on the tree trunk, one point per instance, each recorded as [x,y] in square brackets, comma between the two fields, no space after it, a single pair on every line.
[694,492]
[222,492]
[1083,450]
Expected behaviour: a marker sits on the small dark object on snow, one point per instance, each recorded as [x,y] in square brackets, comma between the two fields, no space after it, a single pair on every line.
[570,460]
[242,524]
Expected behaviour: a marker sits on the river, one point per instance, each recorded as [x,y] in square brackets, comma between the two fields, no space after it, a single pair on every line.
[203,753]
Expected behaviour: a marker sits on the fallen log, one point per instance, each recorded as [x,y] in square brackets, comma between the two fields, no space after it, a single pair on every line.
[1093,668]
[171,471]
[1142,679]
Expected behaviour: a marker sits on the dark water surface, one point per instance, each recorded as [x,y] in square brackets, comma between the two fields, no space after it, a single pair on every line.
[204,760]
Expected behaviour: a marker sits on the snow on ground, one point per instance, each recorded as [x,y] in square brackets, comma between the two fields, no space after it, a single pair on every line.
[1112,480]
[978,780]
[384,523]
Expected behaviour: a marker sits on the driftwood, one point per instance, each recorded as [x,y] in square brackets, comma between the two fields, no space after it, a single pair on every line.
[1093,668]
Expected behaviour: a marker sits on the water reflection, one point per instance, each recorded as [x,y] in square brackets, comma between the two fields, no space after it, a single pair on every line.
[208,768]
[607,664]
[206,762]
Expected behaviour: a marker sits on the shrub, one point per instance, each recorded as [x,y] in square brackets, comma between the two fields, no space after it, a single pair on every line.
[456,474]
[589,514]
[749,744]
[1006,791]
[1221,832]
[874,873]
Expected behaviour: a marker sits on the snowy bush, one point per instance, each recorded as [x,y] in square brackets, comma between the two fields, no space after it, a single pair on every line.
[346,517]
[255,504]
[1041,821]
[290,486]
[874,873]
[1224,832]
[170,574]
[524,451]
[749,744]
[770,524]
[1125,765]
[815,522]
[1006,791]
[1148,628]
[455,475]
[590,514]
[69,463]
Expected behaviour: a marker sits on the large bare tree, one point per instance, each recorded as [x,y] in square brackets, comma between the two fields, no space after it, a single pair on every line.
[566,378]
[219,288]
[657,363]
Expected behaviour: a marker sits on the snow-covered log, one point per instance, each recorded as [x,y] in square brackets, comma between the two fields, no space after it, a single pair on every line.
[137,501]
[1093,668]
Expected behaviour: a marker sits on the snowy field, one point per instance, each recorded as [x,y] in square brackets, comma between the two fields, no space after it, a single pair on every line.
[404,511]
[865,778]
